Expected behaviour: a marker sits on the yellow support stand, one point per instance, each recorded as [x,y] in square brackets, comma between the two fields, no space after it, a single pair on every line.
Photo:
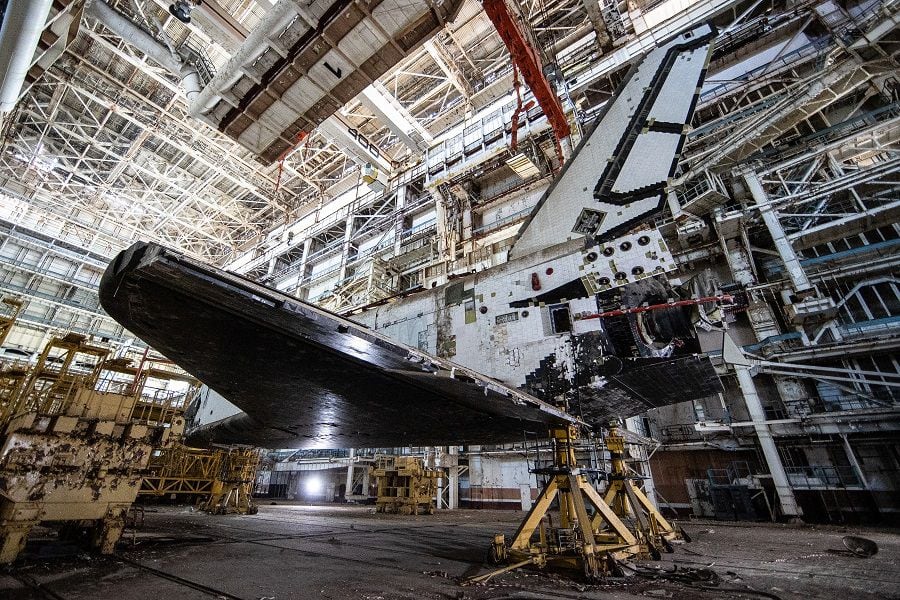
[628,501]
[594,532]
[592,545]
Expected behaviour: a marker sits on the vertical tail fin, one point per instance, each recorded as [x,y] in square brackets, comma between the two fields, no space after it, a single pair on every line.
[618,174]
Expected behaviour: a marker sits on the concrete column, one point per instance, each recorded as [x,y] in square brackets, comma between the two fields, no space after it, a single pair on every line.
[467,219]
[674,204]
[454,478]
[440,215]
[301,272]
[649,485]
[476,474]
[45,337]
[851,455]
[433,461]
[730,230]
[785,250]
[348,490]
[345,248]
[786,500]
[365,482]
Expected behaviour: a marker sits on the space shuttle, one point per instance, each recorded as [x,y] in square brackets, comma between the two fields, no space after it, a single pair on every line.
[490,357]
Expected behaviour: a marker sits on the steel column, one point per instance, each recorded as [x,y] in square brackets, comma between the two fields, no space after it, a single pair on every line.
[786,500]
[786,251]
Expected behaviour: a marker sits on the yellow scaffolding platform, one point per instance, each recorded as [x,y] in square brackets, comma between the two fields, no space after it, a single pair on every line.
[77,430]
[232,488]
[181,471]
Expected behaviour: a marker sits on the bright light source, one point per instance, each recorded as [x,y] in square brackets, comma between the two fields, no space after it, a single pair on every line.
[313,486]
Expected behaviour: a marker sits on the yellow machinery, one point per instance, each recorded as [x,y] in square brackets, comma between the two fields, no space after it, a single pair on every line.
[592,532]
[628,501]
[77,430]
[9,310]
[233,486]
[12,374]
[220,479]
[404,485]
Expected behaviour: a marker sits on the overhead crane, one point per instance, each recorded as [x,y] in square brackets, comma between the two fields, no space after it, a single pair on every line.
[527,61]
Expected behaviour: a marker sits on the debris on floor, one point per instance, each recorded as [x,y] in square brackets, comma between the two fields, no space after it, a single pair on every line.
[345,552]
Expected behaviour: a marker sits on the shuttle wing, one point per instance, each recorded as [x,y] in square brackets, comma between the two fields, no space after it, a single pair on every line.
[617,176]
[305,377]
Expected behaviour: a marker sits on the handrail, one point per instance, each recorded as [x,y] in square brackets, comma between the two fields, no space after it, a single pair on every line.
[503,221]
[813,48]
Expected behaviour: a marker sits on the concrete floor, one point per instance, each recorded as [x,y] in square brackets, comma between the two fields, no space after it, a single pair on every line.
[336,552]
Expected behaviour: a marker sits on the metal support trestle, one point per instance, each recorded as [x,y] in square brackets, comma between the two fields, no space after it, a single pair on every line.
[629,502]
[593,532]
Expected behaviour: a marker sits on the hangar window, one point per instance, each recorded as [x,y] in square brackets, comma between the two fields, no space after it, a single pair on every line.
[560,318]
[470,311]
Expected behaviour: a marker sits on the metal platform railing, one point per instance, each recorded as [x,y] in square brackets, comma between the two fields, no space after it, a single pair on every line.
[822,477]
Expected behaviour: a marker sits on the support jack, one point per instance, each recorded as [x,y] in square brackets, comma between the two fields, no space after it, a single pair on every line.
[630,503]
[594,532]
[232,488]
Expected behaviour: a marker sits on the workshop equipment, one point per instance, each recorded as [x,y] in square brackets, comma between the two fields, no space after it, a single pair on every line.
[405,486]
[76,433]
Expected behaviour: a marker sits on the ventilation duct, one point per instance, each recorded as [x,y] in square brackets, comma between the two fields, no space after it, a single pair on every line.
[23,23]
[134,35]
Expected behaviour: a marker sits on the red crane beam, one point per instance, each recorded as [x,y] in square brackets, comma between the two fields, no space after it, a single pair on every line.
[528,61]
[643,309]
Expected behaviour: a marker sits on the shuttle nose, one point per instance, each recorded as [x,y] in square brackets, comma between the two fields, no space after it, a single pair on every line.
[124,262]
